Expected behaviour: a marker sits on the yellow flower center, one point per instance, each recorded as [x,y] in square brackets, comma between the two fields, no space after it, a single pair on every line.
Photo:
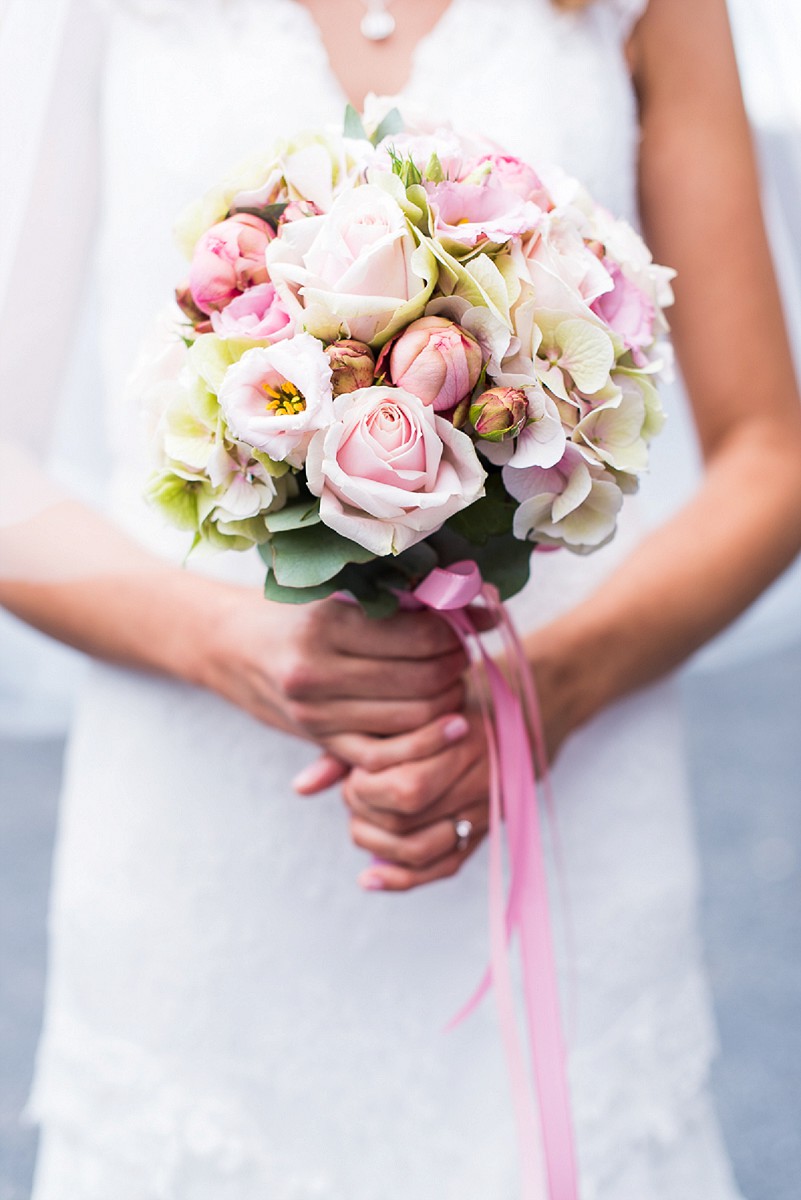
[285,401]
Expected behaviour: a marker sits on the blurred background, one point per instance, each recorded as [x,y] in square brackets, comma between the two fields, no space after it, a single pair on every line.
[742,700]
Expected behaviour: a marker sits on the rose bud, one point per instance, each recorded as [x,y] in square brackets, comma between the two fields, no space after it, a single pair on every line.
[228,259]
[296,210]
[436,360]
[190,309]
[499,413]
[352,366]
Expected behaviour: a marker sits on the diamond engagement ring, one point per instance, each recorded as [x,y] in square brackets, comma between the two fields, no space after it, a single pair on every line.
[463,828]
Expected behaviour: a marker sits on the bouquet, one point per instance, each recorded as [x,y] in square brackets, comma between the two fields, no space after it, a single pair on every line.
[403,351]
[403,360]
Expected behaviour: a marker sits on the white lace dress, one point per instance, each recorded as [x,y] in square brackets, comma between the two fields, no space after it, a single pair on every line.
[228,1016]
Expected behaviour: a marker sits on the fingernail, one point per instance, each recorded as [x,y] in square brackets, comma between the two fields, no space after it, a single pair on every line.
[371,882]
[308,777]
[455,728]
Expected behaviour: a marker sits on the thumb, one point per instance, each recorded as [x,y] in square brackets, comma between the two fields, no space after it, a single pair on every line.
[319,775]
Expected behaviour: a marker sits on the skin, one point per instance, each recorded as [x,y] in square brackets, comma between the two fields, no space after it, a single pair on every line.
[383,699]
[701,213]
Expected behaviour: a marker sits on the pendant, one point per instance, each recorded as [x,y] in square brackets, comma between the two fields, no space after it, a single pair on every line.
[377,25]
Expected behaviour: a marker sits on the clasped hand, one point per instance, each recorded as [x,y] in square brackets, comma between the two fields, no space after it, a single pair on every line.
[414,764]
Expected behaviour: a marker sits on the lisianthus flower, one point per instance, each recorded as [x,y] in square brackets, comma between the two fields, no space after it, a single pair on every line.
[468,214]
[275,397]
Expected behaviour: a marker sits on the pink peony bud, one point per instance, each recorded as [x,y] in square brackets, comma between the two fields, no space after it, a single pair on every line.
[296,210]
[228,259]
[499,413]
[437,361]
[352,366]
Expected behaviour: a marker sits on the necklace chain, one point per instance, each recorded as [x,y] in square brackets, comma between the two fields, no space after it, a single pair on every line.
[378,23]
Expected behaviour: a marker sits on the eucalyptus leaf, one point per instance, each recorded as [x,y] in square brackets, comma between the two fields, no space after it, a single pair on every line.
[354,127]
[392,123]
[506,562]
[273,590]
[295,516]
[307,557]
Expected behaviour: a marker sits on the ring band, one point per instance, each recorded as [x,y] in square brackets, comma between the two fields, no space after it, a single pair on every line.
[463,828]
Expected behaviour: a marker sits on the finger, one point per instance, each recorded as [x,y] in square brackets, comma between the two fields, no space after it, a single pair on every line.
[403,635]
[378,754]
[469,790]
[319,775]
[412,788]
[421,848]
[393,878]
[352,678]
[383,717]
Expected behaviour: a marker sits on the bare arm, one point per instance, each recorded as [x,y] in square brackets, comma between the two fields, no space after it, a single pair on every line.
[321,671]
[701,211]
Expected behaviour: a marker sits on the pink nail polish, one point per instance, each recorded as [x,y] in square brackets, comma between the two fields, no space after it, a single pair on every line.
[371,883]
[455,728]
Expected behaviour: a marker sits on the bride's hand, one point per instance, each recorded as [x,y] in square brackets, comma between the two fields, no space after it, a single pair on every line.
[326,672]
[405,814]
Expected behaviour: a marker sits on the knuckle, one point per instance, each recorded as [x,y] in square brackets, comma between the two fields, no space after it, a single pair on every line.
[297,678]
[407,796]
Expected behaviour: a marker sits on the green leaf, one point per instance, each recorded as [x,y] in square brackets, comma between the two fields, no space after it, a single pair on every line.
[353,127]
[491,516]
[294,516]
[392,123]
[273,590]
[306,557]
[506,562]
[271,213]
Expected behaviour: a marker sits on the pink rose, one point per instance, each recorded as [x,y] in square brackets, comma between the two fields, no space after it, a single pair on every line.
[436,360]
[275,397]
[352,269]
[626,309]
[257,313]
[228,259]
[514,175]
[389,471]
[470,213]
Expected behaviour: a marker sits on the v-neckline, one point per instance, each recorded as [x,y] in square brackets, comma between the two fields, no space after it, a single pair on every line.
[411,72]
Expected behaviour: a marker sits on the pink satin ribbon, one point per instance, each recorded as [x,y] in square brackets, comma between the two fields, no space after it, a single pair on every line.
[544,1121]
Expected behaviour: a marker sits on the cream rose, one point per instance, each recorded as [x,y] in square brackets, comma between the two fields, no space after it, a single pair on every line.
[389,471]
[356,268]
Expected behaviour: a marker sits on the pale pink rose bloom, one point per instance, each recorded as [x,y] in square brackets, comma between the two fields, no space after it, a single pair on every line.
[572,503]
[389,471]
[471,213]
[626,309]
[515,176]
[277,396]
[228,259]
[258,313]
[435,359]
[350,268]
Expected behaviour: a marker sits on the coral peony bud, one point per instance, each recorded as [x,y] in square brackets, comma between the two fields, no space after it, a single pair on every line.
[436,360]
[352,366]
[499,413]
[228,259]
